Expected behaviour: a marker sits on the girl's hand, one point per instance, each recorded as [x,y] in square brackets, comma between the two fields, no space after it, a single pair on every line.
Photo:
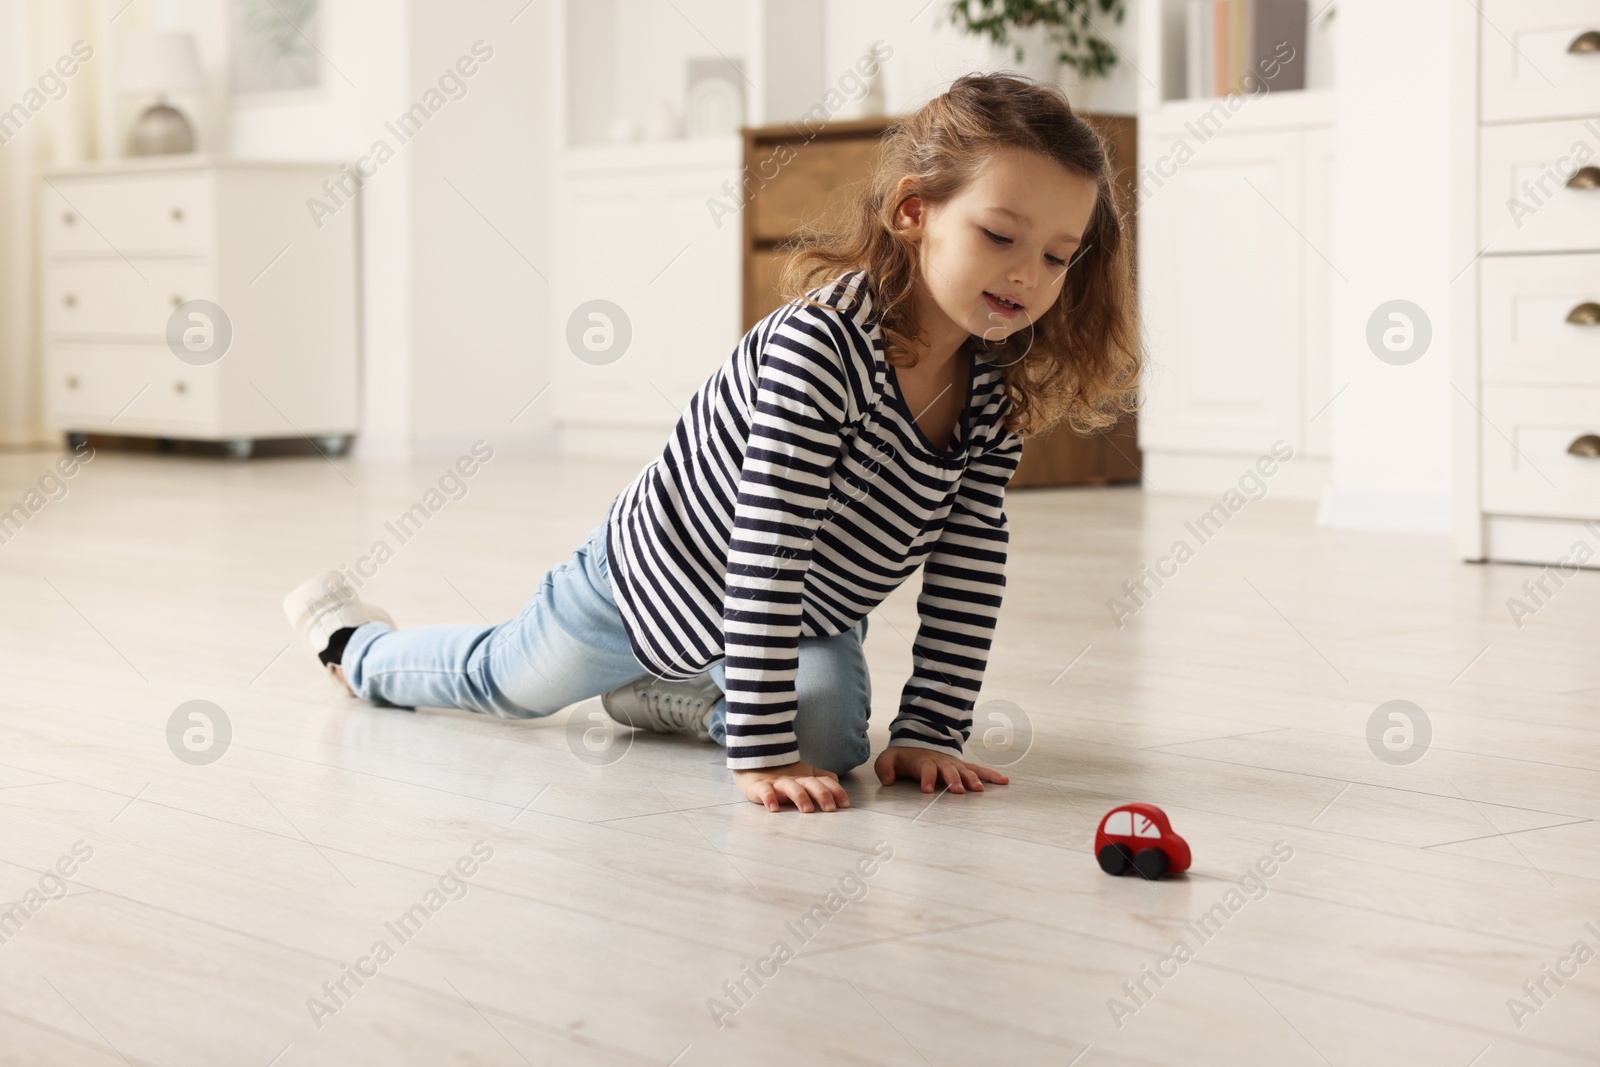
[807,786]
[930,766]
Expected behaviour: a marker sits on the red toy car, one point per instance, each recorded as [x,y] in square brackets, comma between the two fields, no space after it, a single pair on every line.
[1139,837]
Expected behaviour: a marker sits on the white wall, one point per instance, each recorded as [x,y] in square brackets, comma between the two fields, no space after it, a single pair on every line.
[478,296]
[1391,427]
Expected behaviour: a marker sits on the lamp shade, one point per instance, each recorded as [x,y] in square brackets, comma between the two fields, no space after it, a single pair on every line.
[159,60]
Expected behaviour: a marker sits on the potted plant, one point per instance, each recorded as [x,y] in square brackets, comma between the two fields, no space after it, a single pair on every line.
[1072,27]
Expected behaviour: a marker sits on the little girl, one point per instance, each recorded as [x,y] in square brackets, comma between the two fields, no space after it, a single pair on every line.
[980,290]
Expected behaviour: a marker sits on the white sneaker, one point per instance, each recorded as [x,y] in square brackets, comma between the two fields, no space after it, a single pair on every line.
[667,707]
[320,607]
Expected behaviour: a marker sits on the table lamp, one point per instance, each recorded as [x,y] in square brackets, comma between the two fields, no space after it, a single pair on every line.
[158,61]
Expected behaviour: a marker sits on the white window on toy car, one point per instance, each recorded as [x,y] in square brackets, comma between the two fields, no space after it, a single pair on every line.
[1131,824]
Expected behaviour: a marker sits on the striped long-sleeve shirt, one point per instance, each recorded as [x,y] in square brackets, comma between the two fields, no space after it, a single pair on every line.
[795,494]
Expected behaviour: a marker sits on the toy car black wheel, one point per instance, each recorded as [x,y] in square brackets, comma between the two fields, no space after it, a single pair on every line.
[1115,859]
[1151,862]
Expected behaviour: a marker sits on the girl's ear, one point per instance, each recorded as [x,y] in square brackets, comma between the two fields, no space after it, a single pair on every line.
[909,214]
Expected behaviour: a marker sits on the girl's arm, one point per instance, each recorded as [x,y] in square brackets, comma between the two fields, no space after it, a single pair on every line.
[963,580]
[796,437]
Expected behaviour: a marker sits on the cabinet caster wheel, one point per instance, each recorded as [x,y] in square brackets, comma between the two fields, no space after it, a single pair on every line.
[334,444]
[76,441]
[240,448]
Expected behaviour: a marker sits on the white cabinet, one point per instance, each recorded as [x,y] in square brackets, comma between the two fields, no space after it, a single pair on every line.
[1234,287]
[128,248]
[1221,276]
[636,232]
[1526,310]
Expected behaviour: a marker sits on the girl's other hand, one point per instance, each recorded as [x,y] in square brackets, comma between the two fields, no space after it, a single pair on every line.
[929,767]
[806,786]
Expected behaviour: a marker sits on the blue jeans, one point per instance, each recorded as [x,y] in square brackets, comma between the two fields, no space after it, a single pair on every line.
[568,644]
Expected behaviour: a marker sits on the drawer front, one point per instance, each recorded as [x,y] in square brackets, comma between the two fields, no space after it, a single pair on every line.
[1527,204]
[113,298]
[806,183]
[1528,70]
[127,214]
[1529,470]
[1541,320]
[127,388]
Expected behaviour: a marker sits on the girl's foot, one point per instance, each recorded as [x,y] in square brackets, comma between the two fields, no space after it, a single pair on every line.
[667,707]
[322,610]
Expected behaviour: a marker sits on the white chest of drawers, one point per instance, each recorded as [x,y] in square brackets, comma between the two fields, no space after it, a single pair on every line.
[1525,308]
[127,246]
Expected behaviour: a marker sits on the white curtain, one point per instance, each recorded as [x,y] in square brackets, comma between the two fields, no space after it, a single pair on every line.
[46,119]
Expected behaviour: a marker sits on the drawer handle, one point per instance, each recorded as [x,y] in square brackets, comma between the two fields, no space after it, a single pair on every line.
[72,381]
[1587,41]
[177,214]
[180,387]
[1587,446]
[70,300]
[1586,178]
[1585,314]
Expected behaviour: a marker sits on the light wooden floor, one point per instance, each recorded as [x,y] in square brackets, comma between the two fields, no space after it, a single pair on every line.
[619,898]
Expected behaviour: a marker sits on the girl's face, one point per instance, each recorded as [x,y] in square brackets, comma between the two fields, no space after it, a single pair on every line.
[993,257]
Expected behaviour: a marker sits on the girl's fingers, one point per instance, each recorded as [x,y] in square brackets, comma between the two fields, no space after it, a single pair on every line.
[791,788]
[818,788]
[988,774]
[767,796]
[970,779]
[839,795]
[952,776]
[929,772]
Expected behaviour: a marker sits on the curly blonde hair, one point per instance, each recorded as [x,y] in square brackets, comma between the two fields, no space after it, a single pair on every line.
[1082,359]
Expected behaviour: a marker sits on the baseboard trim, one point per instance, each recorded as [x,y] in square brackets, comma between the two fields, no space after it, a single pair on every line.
[1213,474]
[1384,510]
